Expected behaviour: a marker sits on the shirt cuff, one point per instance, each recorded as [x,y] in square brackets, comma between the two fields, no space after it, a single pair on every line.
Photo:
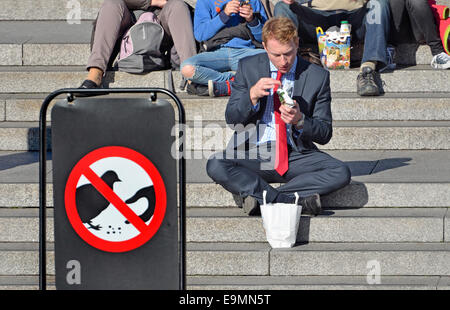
[254,22]
[224,17]
[256,107]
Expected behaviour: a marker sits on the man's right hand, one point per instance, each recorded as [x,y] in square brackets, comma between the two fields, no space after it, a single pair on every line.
[232,7]
[288,2]
[261,89]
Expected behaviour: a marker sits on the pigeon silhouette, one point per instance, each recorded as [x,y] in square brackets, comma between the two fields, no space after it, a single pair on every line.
[149,193]
[90,202]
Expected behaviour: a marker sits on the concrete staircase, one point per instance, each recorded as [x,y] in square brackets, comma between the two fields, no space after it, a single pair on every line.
[393,215]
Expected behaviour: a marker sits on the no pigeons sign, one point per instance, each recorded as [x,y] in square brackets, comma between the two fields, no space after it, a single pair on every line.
[115,199]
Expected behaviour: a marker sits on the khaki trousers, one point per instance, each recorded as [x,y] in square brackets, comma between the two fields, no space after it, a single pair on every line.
[114,19]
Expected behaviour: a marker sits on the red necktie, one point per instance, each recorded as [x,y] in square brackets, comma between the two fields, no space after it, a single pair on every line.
[281,159]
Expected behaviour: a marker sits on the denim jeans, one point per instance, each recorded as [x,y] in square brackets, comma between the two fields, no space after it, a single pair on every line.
[218,65]
[370,23]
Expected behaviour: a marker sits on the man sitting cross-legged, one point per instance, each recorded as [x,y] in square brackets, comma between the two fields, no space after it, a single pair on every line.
[275,143]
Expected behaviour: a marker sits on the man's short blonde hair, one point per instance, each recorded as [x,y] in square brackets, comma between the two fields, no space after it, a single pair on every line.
[281,29]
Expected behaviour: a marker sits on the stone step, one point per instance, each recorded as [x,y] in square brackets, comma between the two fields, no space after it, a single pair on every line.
[57,10]
[209,137]
[379,179]
[316,283]
[232,225]
[271,283]
[45,79]
[77,54]
[258,259]
[345,107]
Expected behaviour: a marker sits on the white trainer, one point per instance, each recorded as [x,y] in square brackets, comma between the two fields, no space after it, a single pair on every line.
[441,61]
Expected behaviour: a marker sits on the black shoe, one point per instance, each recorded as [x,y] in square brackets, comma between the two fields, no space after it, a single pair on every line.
[251,206]
[238,200]
[311,205]
[197,89]
[88,84]
[366,83]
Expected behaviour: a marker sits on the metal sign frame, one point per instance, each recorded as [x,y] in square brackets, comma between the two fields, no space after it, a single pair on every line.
[71,94]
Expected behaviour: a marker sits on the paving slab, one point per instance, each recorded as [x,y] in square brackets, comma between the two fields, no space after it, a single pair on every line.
[26,32]
[231,225]
[349,108]
[309,283]
[360,259]
[11,55]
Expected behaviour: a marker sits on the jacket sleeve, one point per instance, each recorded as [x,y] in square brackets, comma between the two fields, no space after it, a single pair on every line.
[318,128]
[240,109]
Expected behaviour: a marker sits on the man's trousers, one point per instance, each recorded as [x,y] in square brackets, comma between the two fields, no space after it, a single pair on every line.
[309,172]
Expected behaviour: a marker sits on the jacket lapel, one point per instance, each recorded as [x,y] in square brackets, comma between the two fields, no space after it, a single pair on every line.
[300,77]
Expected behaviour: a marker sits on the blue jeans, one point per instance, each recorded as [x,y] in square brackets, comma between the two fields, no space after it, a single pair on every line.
[218,64]
[370,24]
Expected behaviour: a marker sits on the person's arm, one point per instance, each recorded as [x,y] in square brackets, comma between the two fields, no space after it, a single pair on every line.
[254,24]
[318,128]
[205,24]
[245,99]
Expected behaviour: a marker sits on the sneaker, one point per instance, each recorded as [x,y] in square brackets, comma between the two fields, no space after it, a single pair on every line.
[88,84]
[441,61]
[311,205]
[366,85]
[219,89]
[197,89]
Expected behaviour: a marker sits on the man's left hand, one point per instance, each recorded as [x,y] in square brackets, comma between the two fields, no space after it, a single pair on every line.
[290,115]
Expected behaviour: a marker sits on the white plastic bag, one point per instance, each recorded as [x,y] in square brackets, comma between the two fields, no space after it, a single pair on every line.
[281,221]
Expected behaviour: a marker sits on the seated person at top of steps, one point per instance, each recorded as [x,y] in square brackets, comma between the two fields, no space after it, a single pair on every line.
[114,19]
[370,22]
[423,26]
[239,25]
[274,143]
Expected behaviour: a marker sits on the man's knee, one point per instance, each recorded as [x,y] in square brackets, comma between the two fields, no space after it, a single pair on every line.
[187,70]
[283,9]
[216,169]
[175,6]
[114,6]
[342,175]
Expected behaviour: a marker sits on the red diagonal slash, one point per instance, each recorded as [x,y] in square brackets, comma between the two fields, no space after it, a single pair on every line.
[115,200]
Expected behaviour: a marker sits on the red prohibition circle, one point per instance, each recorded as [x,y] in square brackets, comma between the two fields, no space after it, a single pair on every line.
[146,231]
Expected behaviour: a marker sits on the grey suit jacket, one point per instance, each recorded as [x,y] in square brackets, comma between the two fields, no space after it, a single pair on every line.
[311,91]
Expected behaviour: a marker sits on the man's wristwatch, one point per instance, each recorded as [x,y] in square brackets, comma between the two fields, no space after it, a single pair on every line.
[301,122]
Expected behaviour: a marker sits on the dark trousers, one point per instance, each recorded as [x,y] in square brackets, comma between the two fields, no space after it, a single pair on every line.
[422,22]
[370,25]
[309,172]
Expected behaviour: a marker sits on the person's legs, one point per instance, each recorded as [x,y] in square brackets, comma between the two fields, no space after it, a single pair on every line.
[314,172]
[112,21]
[377,27]
[176,20]
[207,66]
[422,22]
[310,173]
[243,177]
[306,19]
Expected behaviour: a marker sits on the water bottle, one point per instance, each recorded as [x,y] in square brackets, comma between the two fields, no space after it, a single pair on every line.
[346,28]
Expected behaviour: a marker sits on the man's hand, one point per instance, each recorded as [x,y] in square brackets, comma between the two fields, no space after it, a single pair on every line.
[246,12]
[288,2]
[290,115]
[232,7]
[261,89]
[158,3]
